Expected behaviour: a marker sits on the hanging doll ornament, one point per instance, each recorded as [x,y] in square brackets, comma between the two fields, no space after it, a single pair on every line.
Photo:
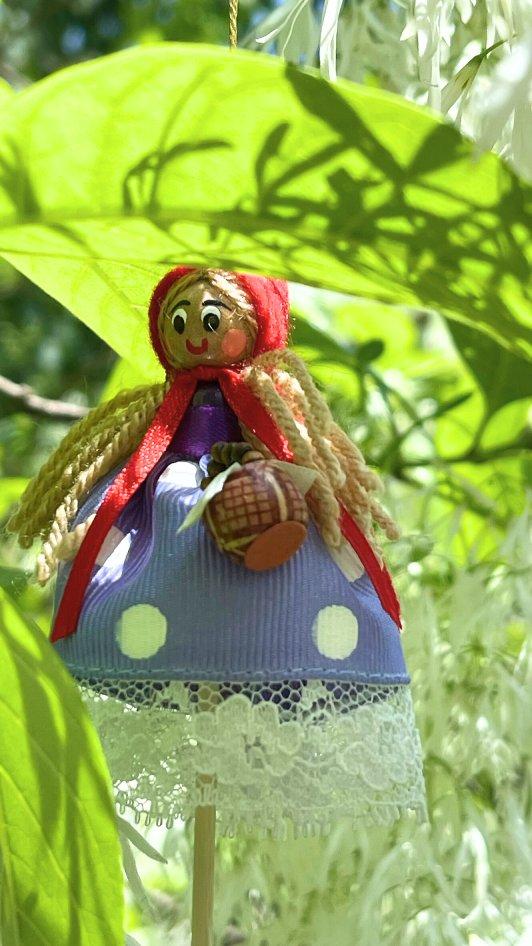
[221,598]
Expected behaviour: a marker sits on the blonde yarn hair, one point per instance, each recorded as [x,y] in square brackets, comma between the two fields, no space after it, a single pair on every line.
[284,386]
[107,435]
[112,431]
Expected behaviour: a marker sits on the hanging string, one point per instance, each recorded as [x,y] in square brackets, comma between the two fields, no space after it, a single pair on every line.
[233,23]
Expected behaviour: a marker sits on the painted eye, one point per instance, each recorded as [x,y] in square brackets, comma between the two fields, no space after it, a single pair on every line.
[211,318]
[179,320]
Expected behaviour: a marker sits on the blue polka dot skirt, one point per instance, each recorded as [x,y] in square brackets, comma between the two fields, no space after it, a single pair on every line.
[280,697]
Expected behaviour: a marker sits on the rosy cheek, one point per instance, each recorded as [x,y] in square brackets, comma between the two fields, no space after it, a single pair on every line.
[234,343]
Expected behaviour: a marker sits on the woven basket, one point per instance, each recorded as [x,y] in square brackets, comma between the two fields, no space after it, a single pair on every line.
[259,517]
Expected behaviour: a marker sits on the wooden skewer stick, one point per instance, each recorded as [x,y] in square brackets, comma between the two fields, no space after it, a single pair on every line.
[203,876]
[204,848]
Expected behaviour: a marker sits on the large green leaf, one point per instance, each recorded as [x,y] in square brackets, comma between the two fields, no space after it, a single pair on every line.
[60,875]
[5,92]
[11,489]
[502,376]
[112,170]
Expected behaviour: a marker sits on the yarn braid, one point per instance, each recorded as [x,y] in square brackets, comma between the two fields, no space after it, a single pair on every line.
[91,449]
[321,498]
[233,23]
[362,483]
[112,447]
[124,423]
[69,544]
[39,501]
[326,447]
[315,426]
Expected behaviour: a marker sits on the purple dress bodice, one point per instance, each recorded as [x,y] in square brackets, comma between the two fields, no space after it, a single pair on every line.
[207,420]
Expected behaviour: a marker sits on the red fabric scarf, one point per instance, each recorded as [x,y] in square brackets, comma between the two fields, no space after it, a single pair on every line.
[156,440]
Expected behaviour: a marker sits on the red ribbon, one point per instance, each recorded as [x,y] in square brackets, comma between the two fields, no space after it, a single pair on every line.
[377,572]
[252,415]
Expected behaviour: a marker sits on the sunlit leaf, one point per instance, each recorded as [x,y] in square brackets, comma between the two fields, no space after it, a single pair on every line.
[62,881]
[370,351]
[464,78]
[456,431]
[270,27]
[502,376]
[127,375]
[11,489]
[364,320]
[5,92]
[328,37]
[510,429]
[13,580]
[115,169]
[315,344]
[303,42]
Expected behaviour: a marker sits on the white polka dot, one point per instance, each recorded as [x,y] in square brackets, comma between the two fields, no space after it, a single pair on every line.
[335,632]
[181,473]
[110,543]
[348,561]
[141,631]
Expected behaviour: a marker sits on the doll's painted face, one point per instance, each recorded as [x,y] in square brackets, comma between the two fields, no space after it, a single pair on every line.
[200,325]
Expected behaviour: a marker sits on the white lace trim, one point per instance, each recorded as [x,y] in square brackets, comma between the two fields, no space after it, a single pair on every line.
[263,754]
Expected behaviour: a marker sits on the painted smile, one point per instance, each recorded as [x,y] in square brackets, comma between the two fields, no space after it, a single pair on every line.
[197,349]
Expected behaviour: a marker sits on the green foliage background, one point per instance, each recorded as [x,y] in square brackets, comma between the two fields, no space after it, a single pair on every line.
[444,411]
[56,810]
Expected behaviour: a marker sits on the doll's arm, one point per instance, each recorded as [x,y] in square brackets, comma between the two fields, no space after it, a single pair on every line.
[223,455]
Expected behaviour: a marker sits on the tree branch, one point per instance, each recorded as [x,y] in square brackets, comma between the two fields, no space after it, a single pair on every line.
[16,79]
[33,403]
[517,449]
